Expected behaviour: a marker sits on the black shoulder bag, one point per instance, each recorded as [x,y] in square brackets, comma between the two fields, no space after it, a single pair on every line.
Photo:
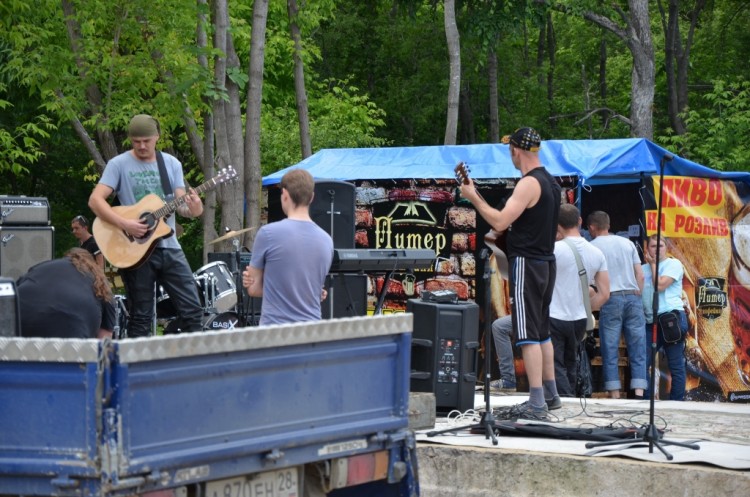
[669,323]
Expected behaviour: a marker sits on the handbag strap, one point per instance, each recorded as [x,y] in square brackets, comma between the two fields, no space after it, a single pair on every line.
[166,186]
[584,278]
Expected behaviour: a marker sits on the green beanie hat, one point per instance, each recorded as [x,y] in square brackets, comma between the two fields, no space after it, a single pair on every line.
[143,126]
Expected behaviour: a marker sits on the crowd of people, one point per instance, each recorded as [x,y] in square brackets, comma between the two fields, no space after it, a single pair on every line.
[557,278]
[615,284]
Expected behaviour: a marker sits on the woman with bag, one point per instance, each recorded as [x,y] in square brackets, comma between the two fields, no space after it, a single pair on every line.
[672,325]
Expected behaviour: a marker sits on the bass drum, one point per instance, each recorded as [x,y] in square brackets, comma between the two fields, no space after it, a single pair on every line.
[216,286]
[221,322]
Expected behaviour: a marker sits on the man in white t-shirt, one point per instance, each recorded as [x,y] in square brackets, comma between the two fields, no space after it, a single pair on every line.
[567,311]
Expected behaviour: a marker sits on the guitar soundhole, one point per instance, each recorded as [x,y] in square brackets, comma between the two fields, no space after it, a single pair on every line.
[151,222]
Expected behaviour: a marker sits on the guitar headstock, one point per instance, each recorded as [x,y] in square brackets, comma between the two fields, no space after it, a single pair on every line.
[462,173]
[226,174]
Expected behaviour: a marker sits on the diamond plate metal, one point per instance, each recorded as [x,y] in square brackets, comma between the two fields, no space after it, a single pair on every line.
[49,349]
[206,342]
[261,337]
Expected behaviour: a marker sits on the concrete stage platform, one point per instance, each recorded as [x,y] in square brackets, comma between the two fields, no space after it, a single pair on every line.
[469,465]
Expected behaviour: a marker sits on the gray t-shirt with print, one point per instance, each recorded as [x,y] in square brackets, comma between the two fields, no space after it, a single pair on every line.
[133,179]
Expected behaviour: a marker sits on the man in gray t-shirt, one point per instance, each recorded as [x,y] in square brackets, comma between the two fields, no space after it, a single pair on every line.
[133,175]
[291,258]
[622,314]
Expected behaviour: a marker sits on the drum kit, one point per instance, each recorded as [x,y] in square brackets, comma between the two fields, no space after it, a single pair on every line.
[224,303]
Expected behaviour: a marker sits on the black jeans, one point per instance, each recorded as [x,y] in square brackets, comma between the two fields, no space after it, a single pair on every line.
[170,269]
[566,335]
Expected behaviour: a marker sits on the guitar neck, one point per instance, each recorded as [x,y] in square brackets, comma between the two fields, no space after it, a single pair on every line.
[171,206]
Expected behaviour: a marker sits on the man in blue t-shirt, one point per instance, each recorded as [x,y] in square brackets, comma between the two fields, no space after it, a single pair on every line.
[291,258]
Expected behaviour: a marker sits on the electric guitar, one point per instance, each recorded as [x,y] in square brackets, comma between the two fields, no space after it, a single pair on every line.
[123,250]
[494,241]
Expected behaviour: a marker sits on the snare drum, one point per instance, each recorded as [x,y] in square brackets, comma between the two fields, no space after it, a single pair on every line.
[216,284]
[222,321]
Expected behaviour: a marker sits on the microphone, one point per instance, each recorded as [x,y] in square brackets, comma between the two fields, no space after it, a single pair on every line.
[667,157]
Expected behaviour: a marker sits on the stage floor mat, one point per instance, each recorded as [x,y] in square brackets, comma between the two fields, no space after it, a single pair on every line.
[721,430]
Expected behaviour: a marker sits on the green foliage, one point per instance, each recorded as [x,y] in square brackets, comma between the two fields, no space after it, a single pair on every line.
[340,117]
[719,134]
[21,137]
[376,74]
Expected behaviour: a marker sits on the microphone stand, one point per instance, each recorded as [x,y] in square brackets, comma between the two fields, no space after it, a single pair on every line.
[651,433]
[487,423]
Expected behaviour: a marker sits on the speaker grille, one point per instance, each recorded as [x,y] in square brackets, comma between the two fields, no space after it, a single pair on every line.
[23,247]
[9,315]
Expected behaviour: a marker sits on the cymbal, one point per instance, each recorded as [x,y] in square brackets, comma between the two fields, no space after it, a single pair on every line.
[229,235]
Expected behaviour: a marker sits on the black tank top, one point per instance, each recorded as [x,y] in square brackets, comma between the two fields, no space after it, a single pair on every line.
[533,233]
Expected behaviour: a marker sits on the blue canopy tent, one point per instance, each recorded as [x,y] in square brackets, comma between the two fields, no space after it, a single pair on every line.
[593,161]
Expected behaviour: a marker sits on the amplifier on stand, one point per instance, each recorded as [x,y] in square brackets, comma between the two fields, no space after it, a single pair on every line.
[21,210]
[444,352]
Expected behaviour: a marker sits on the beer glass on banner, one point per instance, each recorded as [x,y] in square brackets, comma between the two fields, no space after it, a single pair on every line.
[739,292]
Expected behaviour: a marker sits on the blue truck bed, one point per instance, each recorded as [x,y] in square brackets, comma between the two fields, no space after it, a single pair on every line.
[84,417]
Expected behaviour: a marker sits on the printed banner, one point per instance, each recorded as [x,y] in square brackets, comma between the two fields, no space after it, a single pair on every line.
[706,226]
[691,208]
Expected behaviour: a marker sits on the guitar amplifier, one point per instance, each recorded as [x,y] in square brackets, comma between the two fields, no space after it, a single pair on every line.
[22,210]
[24,246]
[10,310]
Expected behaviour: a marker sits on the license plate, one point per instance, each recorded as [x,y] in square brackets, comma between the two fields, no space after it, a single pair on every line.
[279,483]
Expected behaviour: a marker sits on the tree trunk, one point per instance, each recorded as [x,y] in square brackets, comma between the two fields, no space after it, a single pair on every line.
[299,81]
[677,60]
[643,75]
[454,86]
[253,176]
[104,136]
[637,37]
[466,115]
[492,83]
[233,206]
[603,90]
[207,162]
[227,126]
[551,50]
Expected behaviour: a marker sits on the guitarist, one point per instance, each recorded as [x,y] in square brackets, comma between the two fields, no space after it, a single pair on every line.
[133,175]
[530,216]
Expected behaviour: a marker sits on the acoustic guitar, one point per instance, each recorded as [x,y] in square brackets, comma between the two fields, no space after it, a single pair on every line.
[495,241]
[123,250]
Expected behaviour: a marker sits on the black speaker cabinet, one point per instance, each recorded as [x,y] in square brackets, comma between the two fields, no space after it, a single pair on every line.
[230,259]
[347,296]
[10,313]
[444,352]
[247,307]
[332,209]
[24,246]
